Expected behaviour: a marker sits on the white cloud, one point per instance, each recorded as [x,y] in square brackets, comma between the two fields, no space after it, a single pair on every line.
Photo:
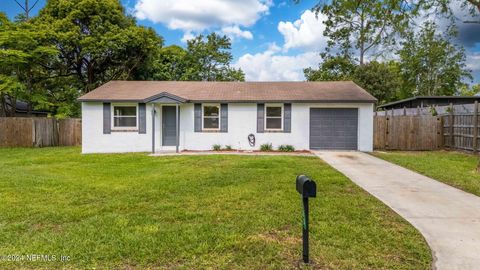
[235,32]
[305,33]
[271,66]
[473,61]
[187,36]
[274,64]
[199,15]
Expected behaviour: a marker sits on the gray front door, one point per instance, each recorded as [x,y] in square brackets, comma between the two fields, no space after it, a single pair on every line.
[169,126]
[333,128]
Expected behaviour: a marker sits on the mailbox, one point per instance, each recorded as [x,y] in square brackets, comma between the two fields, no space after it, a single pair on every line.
[307,189]
[306,186]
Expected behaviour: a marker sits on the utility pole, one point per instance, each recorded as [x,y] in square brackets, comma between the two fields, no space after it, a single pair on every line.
[26,8]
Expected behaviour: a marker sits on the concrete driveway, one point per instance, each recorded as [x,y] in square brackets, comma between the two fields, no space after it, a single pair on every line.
[448,218]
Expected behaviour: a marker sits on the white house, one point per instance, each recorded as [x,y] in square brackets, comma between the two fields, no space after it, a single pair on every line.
[142,116]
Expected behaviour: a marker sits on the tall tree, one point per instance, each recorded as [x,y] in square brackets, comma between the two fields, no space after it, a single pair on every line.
[168,64]
[97,42]
[208,59]
[469,90]
[382,80]
[205,59]
[446,7]
[362,27]
[25,52]
[332,68]
[431,64]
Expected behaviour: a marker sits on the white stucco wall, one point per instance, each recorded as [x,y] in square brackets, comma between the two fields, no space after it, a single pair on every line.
[242,120]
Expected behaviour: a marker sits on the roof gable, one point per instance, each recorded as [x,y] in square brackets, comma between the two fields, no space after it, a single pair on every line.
[165,97]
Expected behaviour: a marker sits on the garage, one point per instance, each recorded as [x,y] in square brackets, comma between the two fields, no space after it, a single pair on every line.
[334,128]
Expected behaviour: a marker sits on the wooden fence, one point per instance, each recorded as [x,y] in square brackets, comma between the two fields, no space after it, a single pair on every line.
[411,133]
[39,132]
[460,131]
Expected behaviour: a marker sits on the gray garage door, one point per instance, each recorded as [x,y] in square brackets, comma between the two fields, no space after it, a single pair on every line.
[333,128]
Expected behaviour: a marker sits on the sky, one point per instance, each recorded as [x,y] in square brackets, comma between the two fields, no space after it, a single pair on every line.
[272,40]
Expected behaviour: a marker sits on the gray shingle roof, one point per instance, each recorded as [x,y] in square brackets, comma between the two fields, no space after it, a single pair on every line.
[144,91]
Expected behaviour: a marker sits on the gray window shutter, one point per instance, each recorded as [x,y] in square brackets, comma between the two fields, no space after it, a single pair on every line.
[142,118]
[107,116]
[260,117]
[224,118]
[287,117]
[197,123]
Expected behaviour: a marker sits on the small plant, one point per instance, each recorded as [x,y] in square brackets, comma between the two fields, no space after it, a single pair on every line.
[228,147]
[217,147]
[286,148]
[266,147]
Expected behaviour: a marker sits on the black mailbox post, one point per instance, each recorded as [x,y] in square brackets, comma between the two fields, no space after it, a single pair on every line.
[307,189]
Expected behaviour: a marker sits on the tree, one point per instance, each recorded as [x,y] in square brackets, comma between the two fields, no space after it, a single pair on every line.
[97,42]
[469,91]
[205,59]
[445,7]
[382,80]
[363,25]
[208,59]
[25,51]
[430,64]
[333,68]
[168,64]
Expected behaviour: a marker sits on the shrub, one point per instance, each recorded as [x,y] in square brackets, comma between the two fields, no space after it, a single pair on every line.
[286,148]
[217,147]
[266,147]
[228,147]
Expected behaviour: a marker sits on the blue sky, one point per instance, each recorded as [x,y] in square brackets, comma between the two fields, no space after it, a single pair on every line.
[272,40]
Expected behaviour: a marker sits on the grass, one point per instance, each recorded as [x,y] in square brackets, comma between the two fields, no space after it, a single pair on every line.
[191,212]
[453,168]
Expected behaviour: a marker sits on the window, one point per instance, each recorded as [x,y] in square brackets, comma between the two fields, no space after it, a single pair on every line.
[124,116]
[273,117]
[211,117]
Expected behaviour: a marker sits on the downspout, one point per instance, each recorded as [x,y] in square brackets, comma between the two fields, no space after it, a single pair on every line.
[153,128]
[178,127]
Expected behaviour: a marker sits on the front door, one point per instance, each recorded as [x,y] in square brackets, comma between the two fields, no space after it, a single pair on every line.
[169,126]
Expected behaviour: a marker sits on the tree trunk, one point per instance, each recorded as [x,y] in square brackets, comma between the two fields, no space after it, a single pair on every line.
[3,106]
[362,38]
[13,107]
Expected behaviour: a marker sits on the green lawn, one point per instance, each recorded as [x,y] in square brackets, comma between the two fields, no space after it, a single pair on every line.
[453,168]
[182,212]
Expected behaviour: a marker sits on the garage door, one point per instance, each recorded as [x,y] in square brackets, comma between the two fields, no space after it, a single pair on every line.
[333,128]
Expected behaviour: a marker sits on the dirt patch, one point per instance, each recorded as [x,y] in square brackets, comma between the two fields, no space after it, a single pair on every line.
[278,237]
[347,156]
[291,251]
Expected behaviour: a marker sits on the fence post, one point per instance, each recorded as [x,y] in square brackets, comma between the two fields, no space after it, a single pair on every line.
[404,110]
[387,127]
[452,140]
[34,136]
[475,127]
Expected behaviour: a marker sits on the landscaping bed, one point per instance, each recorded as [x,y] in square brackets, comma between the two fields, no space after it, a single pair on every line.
[192,212]
[249,152]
